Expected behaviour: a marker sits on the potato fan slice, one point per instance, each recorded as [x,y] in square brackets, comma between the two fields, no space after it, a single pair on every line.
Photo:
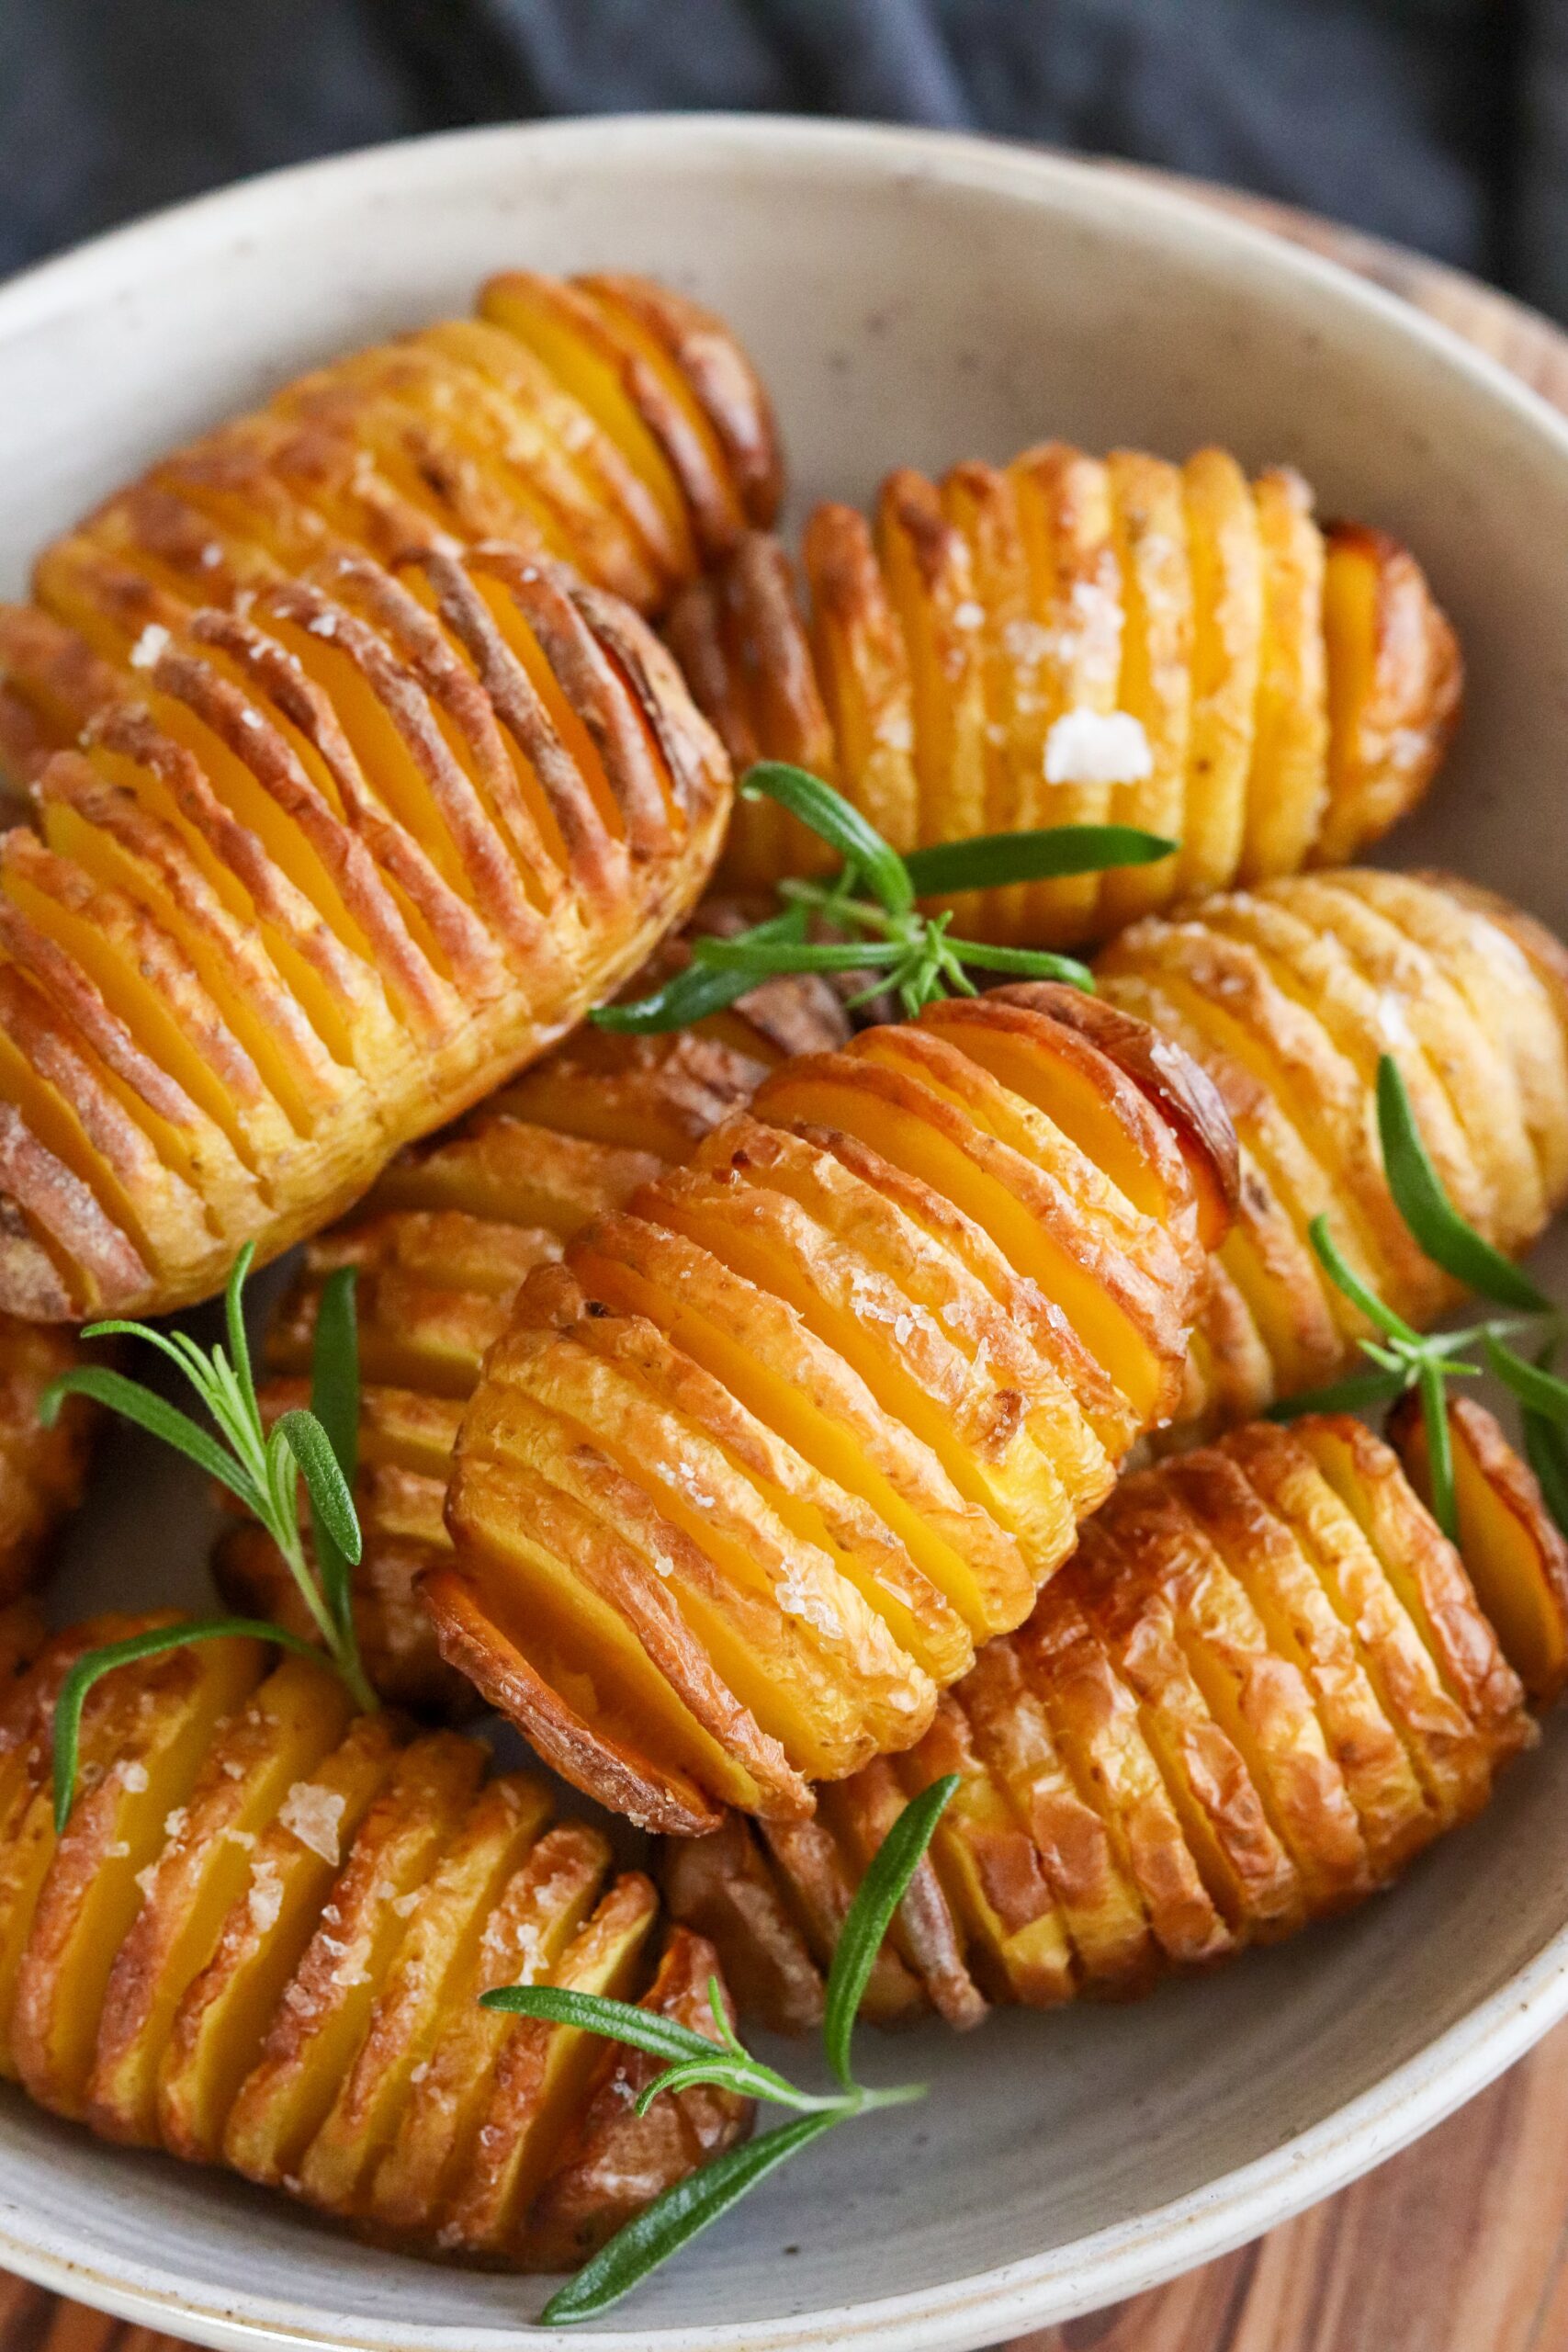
[356,783]
[1263,1683]
[755,1469]
[261,1939]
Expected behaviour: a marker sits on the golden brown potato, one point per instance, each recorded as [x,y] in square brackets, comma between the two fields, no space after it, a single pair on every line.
[1288,996]
[441,1248]
[351,798]
[261,1939]
[756,1467]
[1261,1685]
[322,873]
[604,421]
[1067,641]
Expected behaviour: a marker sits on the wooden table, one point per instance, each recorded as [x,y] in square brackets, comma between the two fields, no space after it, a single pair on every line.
[1461,2244]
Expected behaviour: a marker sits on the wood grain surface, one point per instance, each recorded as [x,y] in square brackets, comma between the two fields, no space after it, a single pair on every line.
[1459,2244]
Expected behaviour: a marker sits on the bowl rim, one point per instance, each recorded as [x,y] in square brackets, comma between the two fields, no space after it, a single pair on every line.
[1125,2258]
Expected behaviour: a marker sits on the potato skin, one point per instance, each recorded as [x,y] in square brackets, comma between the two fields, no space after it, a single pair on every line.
[753,1470]
[1295,684]
[354,796]
[1288,997]
[1207,1647]
[257,1841]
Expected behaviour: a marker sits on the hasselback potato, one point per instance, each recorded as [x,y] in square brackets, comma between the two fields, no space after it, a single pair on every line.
[757,1466]
[261,1939]
[319,874]
[442,1246]
[1068,640]
[351,798]
[606,422]
[1261,1685]
[1288,996]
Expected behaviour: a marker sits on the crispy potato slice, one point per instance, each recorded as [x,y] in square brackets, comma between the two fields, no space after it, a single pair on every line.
[614,2162]
[1477,1082]
[1502,993]
[987,1867]
[772,1362]
[1396,679]
[1426,1572]
[1288,789]
[816,1876]
[1303,1626]
[969,1422]
[597,1667]
[227,2009]
[1095,1722]
[1515,1557]
[1259,1700]
[1448,1757]
[787,1633]
[435,1961]
[535,1919]
[1248,1871]
[1071,1836]
[721,1886]
[1310,964]
[817,1512]
[924,563]
[542,2078]
[92,1890]
[1226,551]
[863,669]
[321,2019]
[1029,1209]
[1064,517]
[1158,659]
[256,1760]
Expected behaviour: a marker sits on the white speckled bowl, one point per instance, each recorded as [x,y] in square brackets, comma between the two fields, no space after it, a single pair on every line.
[909,298]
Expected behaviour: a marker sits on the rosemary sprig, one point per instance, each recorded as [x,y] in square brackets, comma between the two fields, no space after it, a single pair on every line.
[1426,1361]
[871,905]
[672,2220]
[262,1469]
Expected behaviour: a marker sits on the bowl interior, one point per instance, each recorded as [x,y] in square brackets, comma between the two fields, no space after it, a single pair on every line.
[909,299]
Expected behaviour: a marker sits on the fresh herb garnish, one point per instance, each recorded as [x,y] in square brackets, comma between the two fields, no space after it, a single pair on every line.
[677,2216]
[261,1468]
[1426,1361]
[871,906]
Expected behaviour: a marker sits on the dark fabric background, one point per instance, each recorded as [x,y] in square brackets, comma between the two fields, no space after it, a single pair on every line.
[1442,123]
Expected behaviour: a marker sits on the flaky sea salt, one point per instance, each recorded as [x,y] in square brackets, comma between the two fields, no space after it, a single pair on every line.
[1098,747]
[315,1816]
[150,646]
[265,1900]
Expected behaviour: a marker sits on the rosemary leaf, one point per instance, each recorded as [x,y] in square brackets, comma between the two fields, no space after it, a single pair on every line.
[835,821]
[869,1914]
[1353,1395]
[311,1448]
[678,2216]
[1427,1209]
[94,1664]
[156,1416]
[987,860]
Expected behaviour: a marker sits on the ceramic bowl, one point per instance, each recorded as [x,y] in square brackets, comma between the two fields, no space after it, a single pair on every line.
[909,298]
